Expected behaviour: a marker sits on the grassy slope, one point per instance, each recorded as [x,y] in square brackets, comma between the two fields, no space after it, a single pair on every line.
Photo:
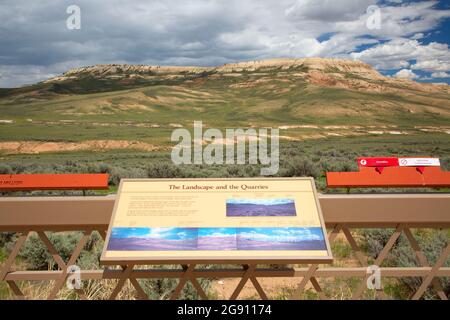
[214,102]
[280,98]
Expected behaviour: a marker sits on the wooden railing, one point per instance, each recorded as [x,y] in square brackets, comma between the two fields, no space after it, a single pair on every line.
[342,213]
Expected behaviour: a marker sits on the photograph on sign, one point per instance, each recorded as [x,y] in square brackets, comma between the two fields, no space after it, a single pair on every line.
[216,219]
[260,207]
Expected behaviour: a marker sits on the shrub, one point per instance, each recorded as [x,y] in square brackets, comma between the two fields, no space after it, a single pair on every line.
[163,170]
[17,168]
[163,288]
[37,257]
[5,169]
[99,168]
[431,242]
[301,167]
[235,171]
[445,163]
[6,237]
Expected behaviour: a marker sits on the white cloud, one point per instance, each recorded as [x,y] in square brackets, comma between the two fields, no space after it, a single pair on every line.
[13,75]
[328,10]
[399,53]
[220,235]
[417,36]
[440,75]
[35,44]
[406,74]
[157,232]
[287,235]
[442,64]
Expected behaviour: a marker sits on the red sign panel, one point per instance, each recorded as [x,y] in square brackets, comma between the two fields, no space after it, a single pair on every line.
[24,182]
[378,162]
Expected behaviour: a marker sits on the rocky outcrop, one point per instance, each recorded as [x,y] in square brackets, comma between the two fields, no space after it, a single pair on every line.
[339,73]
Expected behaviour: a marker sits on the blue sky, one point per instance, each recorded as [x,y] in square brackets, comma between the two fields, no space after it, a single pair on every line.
[261,201]
[155,233]
[282,234]
[439,33]
[400,38]
[216,232]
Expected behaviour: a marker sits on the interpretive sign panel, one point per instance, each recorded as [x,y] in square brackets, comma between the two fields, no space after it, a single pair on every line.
[271,220]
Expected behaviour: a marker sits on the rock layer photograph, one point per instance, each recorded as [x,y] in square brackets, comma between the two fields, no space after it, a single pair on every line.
[260,207]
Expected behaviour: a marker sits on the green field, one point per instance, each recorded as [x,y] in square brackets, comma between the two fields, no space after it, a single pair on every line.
[302,158]
[328,111]
[124,106]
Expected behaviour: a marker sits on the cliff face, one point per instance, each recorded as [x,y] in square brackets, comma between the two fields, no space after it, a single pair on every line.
[339,73]
[121,69]
[317,64]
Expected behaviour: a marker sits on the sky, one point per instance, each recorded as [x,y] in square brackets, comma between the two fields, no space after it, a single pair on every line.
[400,38]
[155,233]
[217,232]
[266,202]
[259,234]
[282,234]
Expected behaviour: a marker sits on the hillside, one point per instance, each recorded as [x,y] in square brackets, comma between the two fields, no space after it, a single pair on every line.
[138,106]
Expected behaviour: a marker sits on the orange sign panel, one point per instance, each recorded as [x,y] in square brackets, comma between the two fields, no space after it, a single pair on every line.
[27,182]
[385,177]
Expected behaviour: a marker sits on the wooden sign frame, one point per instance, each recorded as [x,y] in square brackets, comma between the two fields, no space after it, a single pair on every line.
[227,258]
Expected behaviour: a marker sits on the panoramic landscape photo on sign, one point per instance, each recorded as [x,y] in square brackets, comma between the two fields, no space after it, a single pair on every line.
[163,239]
[216,219]
[260,207]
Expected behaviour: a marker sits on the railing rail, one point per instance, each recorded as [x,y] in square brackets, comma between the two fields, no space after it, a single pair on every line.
[341,213]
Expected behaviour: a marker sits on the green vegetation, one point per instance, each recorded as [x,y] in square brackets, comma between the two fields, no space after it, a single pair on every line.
[341,249]
[2,255]
[327,118]
[35,256]
[432,244]
[142,106]
[300,158]
[307,158]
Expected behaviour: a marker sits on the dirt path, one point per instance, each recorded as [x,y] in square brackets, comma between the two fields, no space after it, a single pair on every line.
[35,147]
